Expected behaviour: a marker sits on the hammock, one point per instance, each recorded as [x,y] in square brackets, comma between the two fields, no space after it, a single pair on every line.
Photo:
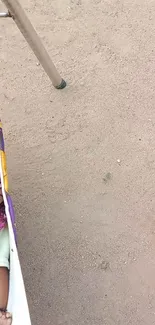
[17,303]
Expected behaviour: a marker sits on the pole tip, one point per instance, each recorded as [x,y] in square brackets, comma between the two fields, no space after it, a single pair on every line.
[62,85]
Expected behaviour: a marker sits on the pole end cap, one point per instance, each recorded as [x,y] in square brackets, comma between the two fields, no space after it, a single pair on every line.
[62,85]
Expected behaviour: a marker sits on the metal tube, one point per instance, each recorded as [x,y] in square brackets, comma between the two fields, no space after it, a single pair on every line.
[4,14]
[28,31]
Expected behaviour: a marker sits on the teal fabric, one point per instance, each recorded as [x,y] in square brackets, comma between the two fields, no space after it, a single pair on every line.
[4,248]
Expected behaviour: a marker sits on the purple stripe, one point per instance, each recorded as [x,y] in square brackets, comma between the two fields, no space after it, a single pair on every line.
[9,200]
[1,140]
[12,215]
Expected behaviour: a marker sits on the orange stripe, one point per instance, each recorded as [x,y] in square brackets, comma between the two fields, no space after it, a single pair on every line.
[4,170]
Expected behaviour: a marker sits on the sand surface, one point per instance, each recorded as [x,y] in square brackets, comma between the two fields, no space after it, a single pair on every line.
[82,161]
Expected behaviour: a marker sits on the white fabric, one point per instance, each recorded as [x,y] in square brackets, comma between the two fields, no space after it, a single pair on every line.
[4,248]
[17,303]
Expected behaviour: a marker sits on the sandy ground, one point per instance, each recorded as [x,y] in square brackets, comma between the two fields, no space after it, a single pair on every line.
[82,161]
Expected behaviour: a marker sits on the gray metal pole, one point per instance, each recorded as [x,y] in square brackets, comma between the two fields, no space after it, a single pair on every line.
[18,14]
